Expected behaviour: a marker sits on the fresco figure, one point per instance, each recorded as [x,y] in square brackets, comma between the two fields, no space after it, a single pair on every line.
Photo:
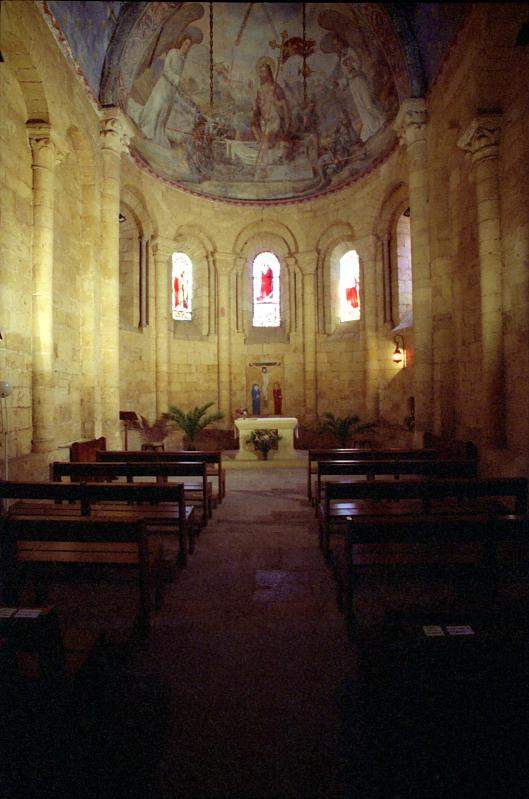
[372,118]
[256,400]
[278,398]
[271,115]
[164,96]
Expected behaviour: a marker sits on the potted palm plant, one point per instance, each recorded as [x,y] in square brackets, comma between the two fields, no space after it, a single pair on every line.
[192,422]
[342,427]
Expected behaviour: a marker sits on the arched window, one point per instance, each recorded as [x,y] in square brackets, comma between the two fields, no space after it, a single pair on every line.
[402,274]
[266,271]
[349,287]
[182,287]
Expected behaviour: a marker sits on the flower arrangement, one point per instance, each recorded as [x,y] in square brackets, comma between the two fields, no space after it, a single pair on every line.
[263,441]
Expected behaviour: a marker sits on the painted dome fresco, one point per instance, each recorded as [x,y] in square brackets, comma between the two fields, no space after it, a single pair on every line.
[257,101]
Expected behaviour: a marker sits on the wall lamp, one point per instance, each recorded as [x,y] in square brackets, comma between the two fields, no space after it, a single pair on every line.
[399,356]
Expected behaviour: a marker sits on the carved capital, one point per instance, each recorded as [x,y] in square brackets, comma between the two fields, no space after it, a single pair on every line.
[162,248]
[481,139]
[42,147]
[115,130]
[410,123]
[307,261]
[224,262]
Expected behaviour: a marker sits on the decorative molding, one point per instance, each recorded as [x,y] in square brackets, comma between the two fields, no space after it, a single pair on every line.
[410,123]
[115,130]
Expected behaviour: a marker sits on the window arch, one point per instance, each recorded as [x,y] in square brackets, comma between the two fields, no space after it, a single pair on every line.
[401,269]
[182,287]
[266,290]
[349,287]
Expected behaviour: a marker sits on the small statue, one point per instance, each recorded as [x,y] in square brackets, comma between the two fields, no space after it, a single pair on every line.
[278,398]
[256,400]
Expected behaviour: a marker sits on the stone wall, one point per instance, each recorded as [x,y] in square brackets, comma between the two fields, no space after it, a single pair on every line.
[452,361]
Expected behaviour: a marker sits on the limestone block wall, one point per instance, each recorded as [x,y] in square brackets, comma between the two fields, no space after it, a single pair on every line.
[15,259]
[471,224]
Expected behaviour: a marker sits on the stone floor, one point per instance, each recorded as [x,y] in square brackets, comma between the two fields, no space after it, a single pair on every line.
[249,689]
[255,649]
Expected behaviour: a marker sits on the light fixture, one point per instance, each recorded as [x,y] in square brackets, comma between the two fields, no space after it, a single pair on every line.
[399,356]
[5,391]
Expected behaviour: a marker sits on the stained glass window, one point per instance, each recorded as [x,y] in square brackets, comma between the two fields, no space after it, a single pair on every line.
[266,290]
[182,286]
[349,287]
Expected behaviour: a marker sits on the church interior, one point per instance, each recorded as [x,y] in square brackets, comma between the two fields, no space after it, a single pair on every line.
[248,249]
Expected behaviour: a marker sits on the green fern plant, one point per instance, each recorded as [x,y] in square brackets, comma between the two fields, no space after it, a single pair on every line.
[341,427]
[193,421]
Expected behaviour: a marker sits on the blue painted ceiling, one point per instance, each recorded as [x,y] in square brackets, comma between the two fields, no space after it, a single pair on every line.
[88,26]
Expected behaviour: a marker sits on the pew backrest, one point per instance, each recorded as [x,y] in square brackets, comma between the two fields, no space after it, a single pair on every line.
[428,491]
[421,467]
[213,459]
[391,454]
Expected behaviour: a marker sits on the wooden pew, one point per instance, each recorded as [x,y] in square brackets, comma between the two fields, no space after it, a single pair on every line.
[392,454]
[485,529]
[92,472]
[212,459]
[354,500]
[42,539]
[193,492]
[371,468]
[159,506]
[36,648]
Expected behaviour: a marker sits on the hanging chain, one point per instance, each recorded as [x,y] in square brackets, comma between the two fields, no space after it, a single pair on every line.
[211,55]
[304,54]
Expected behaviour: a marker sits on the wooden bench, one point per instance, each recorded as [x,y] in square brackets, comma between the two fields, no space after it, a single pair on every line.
[354,500]
[485,529]
[35,647]
[199,493]
[394,454]
[212,459]
[372,468]
[158,506]
[43,539]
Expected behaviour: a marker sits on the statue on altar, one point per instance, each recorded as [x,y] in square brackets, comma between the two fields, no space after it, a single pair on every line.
[256,400]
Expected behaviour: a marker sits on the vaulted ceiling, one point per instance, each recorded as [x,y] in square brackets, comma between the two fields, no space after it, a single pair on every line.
[258,102]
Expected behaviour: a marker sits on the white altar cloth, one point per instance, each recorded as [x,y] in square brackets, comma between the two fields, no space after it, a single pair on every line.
[286,426]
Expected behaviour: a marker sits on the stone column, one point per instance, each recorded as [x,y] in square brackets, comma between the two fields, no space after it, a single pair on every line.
[162,250]
[224,263]
[481,141]
[367,248]
[308,262]
[43,151]
[113,139]
[411,127]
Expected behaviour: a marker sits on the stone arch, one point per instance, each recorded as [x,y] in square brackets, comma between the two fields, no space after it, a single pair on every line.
[273,236]
[18,59]
[194,242]
[332,244]
[394,204]
[266,229]
[136,202]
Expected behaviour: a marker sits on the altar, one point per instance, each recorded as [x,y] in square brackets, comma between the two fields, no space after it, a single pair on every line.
[286,426]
